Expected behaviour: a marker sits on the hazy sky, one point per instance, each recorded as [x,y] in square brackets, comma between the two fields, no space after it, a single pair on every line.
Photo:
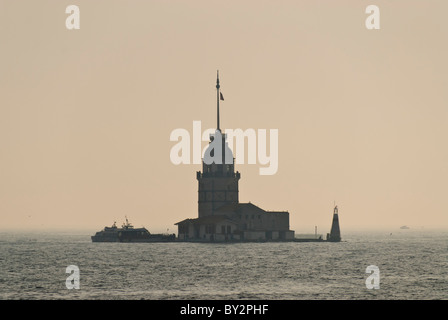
[86,115]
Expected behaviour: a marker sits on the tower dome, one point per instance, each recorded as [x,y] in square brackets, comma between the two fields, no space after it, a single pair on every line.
[218,150]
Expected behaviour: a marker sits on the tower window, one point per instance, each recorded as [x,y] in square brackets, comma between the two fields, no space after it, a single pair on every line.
[210,228]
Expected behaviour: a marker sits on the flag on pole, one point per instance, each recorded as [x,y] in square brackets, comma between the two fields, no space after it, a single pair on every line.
[221,96]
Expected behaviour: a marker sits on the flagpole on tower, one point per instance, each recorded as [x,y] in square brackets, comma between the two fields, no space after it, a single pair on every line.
[217,97]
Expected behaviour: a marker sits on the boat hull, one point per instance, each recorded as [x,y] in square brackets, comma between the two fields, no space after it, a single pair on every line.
[100,239]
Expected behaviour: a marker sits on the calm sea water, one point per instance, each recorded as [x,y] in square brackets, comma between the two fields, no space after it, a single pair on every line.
[412,264]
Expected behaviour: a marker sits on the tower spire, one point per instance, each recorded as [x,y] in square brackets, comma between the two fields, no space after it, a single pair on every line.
[217,98]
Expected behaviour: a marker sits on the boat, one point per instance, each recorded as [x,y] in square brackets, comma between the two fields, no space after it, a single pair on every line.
[404,227]
[127,233]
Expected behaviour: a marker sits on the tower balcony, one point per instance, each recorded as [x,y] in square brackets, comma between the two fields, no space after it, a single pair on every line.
[217,174]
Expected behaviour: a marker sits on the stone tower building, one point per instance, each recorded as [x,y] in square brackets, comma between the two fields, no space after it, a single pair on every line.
[221,217]
[218,182]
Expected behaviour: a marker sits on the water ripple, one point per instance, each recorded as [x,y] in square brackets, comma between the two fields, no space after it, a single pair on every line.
[412,267]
